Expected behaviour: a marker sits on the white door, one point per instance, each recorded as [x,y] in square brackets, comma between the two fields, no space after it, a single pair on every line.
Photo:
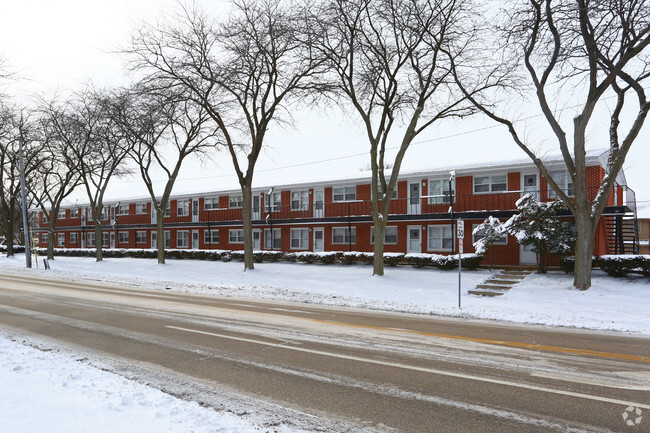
[154,216]
[195,211]
[112,239]
[256,207]
[154,242]
[257,240]
[414,198]
[195,239]
[527,256]
[319,204]
[531,185]
[319,239]
[83,240]
[414,239]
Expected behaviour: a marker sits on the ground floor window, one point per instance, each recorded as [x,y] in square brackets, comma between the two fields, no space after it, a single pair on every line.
[167,239]
[105,240]
[343,235]
[90,239]
[123,237]
[140,237]
[74,238]
[440,238]
[211,236]
[60,240]
[390,235]
[272,239]
[236,236]
[182,239]
[299,239]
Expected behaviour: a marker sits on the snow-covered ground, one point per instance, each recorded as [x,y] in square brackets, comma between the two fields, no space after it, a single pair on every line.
[47,391]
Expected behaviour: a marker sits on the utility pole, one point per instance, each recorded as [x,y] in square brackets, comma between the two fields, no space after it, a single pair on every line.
[28,251]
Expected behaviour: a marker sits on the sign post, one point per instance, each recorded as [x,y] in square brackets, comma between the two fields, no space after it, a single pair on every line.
[460,234]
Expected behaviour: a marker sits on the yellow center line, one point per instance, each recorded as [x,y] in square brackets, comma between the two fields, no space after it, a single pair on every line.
[493,342]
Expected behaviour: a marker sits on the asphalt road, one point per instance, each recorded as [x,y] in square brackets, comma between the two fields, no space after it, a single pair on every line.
[328,369]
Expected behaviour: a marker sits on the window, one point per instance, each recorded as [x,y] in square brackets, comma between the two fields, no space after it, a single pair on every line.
[60,239]
[90,239]
[503,240]
[44,218]
[211,203]
[168,210]
[74,238]
[183,239]
[299,239]
[44,238]
[182,208]
[484,184]
[140,237]
[167,239]
[342,235]
[123,209]
[380,193]
[211,236]
[300,200]
[61,214]
[439,190]
[390,235]
[344,193]
[140,208]
[104,213]
[236,201]
[105,240]
[564,181]
[275,202]
[74,213]
[440,238]
[236,236]
[123,237]
[272,240]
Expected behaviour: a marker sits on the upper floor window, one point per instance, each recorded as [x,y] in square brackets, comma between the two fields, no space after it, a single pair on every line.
[490,183]
[439,190]
[105,213]
[44,218]
[300,200]
[182,208]
[61,214]
[564,181]
[236,201]
[274,202]
[123,209]
[381,193]
[141,208]
[74,213]
[211,203]
[344,193]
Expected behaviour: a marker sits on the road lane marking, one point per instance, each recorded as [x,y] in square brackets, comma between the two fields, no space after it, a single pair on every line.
[420,369]
[493,342]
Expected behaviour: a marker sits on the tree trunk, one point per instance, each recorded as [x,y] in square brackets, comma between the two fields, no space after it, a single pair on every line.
[99,255]
[9,237]
[160,236]
[584,253]
[542,266]
[50,242]
[378,258]
[248,227]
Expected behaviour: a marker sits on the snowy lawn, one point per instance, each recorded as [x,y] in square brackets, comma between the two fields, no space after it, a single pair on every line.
[611,304]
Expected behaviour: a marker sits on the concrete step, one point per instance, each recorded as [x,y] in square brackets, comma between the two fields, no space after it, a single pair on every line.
[484,293]
[493,287]
[517,277]
[501,281]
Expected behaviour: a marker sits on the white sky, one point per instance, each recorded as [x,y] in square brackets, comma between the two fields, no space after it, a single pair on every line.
[61,45]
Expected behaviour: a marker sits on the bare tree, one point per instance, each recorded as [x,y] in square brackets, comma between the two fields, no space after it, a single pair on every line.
[163,131]
[96,147]
[244,73]
[392,61]
[592,50]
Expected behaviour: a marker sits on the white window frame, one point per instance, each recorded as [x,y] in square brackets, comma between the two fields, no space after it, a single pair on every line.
[44,238]
[275,201]
[386,235]
[477,236]
[236,236]
[45,221]
[140,237]
[272,240]
[491,183]
[141,208]
[123,237]
[208,236]
[235,202]
[74,213]
[90,239]
[60,239]
[211,203]
[105,213]
[344,193]
[565,184]
[168,209]
[440,228]
[379,192]
[300,200]
[105,240]
[347,236]
[61,214]
[182,208]
[74,238]
[123,209]
[441,193]
[167,239]
[182,238]
[300,239]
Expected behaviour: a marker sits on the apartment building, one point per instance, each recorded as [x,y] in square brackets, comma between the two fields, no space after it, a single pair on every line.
[335,215]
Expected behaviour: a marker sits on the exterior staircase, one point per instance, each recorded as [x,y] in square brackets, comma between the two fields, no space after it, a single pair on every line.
[622,234]
[500,283]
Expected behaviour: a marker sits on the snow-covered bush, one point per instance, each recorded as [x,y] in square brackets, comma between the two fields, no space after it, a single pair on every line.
[492,231]
[621,265]
[468,261]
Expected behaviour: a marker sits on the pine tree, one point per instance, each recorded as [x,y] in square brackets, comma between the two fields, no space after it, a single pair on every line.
[492,231]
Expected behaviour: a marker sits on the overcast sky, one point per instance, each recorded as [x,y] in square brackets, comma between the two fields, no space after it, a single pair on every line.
[60,45]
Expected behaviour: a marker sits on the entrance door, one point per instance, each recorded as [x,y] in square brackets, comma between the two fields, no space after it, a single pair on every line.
[414,239]
[112,239]
[154,243]
[319,239]
[195,239]
[257,240]
[531,185]
[319,204]
[83,240]
[256,207]
[414,198]
[154,216]
[195,211]
[527,256]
